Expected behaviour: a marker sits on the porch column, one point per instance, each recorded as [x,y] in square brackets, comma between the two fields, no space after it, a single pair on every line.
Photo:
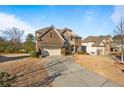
[103,51]
[74,48]
[38,46]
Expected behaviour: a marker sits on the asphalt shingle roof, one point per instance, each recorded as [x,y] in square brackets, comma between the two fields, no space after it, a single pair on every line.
[61,31]
[96,39]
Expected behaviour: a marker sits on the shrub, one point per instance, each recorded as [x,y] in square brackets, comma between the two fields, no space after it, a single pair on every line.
[9,50]
[35,54]
[2,49]
[81,52]
[22,51]
[6,80]
[63,51]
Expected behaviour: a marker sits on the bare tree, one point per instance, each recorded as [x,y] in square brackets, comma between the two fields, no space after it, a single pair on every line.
[120,32]
[15,35]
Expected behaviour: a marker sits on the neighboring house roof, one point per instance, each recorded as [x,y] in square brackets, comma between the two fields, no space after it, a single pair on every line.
[117,39]
[90,39]
[43,31]
[96,39]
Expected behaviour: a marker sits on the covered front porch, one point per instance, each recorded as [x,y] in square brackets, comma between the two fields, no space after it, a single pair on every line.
[71,49]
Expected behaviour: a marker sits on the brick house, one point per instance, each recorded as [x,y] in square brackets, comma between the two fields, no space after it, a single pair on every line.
[52,40]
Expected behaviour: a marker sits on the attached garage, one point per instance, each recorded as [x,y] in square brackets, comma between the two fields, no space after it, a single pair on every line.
[51,51]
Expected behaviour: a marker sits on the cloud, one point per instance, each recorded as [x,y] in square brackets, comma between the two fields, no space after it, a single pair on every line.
[117,14]
[8,21]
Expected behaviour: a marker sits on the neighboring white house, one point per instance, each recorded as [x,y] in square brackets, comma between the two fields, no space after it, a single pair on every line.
[117,43]
[97,45]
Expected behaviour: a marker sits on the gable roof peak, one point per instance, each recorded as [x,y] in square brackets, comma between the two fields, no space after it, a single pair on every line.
[52,26]
[67,29]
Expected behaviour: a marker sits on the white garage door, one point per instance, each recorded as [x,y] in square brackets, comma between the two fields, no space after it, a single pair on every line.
[52,51]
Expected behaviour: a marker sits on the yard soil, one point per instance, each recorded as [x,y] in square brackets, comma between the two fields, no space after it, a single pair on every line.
[102,65]
[29,71]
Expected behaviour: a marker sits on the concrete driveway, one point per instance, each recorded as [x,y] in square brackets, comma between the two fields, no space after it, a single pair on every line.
[65,73]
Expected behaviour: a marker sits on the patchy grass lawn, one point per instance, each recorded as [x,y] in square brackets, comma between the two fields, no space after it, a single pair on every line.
[29,71]
[102,65]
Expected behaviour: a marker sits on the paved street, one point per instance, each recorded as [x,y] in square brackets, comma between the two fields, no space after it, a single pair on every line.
[65,73]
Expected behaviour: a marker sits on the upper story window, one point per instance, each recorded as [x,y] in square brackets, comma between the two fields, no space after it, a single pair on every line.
[52,35]
[77,40]
[68,38]
[71,38]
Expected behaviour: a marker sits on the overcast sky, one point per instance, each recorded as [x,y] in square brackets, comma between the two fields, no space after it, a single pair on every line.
[83,20]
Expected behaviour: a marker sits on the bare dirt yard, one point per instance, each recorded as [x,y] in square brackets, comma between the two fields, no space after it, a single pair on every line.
[102,65]
[29,71]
